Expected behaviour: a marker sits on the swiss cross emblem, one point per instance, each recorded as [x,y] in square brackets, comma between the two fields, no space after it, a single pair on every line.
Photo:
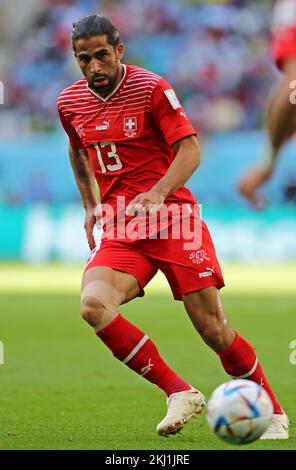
[130,126]
[199,256]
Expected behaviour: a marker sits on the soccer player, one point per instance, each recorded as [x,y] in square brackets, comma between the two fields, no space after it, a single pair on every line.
[128,131]
[281,113]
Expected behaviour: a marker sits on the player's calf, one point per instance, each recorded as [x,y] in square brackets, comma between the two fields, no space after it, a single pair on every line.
[135,349]
[217,335]
[237,356]
[206,313]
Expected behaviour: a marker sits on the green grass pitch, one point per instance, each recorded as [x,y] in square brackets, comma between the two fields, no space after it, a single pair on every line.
[60,388]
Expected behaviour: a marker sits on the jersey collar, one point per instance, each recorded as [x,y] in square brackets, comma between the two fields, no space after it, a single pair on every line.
[115,89]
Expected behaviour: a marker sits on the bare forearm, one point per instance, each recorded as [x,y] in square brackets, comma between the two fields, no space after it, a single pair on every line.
[185,163]
[84,177]
[281,114]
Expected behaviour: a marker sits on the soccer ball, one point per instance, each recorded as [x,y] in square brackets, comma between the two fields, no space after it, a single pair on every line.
[239,411]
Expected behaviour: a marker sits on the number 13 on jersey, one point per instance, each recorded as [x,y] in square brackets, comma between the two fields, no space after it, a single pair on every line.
[111,153]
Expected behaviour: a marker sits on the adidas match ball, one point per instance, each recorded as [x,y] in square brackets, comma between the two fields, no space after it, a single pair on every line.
[239,411]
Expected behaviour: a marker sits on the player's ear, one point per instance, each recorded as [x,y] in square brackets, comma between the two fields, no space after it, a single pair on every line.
[119,50]
[74,49]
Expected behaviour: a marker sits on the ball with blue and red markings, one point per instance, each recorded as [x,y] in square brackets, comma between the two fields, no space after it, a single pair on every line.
[239,411]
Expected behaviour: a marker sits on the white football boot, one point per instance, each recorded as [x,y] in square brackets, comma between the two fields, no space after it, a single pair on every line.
[181,407]
[278,428]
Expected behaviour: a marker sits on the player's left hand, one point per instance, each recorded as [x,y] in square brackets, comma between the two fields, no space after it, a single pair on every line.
[144,203]
[89,223]
[251,182]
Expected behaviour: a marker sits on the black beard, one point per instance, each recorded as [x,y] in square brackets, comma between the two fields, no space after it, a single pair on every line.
[104,90]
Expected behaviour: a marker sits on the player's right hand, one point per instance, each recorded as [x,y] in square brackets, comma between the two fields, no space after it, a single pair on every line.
[251,182]
[147,202]
[89,223]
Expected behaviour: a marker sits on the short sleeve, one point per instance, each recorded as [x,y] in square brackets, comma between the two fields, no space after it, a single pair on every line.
[284,46]
[283,29]
[74,140]
[169,115]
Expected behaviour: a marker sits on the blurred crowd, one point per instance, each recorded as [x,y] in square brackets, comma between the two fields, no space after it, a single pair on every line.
[215,54]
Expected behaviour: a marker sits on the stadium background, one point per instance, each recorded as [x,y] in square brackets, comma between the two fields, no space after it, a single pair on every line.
[216,55]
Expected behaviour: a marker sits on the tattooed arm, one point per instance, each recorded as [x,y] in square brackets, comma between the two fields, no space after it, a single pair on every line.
[87,187]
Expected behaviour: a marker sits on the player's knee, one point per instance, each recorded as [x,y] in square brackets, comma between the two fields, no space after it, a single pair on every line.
[92,310]
[100,302]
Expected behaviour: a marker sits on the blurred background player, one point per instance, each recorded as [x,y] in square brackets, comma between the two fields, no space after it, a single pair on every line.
[281,112]
[128,131]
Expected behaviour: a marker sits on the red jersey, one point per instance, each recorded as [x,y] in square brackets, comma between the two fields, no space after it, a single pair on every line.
[284,31]
[128,135]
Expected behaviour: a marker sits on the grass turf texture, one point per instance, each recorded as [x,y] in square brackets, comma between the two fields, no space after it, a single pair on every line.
[62,389]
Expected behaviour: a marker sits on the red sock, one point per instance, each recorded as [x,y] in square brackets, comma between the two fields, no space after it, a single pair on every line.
[131,346]
[240,361]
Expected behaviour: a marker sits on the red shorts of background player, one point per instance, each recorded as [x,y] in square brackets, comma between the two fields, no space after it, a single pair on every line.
[186,270]
[284,46]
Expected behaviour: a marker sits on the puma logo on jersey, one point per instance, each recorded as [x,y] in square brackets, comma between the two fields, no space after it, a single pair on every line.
[104,126]
[208,272]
